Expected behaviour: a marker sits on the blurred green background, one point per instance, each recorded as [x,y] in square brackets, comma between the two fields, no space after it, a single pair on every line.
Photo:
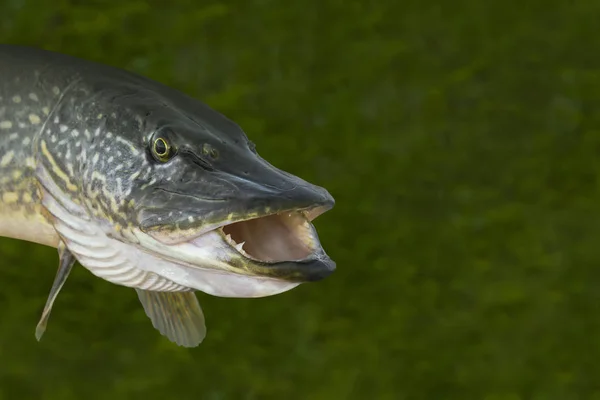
[460,140]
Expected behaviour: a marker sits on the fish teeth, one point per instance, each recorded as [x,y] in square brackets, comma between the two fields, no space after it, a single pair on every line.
[238,246]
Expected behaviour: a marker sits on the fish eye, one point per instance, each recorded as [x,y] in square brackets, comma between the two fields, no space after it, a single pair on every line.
[161,149]
[210,151]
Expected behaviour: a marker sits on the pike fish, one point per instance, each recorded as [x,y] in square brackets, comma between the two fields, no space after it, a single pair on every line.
[147,188]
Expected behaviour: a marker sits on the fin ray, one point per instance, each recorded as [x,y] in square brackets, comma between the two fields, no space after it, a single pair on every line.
[176,315]
[66,262]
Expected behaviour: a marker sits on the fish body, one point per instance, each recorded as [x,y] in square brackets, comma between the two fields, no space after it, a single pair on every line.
[147,188]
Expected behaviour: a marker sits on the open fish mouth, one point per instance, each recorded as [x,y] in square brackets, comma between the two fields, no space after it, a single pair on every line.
[273,238]
[263,230]
[282,245]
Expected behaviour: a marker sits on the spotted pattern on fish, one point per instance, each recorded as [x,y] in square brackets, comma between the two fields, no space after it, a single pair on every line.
[55,126]
[138,183]
[21,116]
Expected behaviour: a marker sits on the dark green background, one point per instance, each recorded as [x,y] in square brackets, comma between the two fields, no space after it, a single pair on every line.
[461,143]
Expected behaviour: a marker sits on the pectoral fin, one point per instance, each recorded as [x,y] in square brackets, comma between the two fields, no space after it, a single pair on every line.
[176,315]
[67,260]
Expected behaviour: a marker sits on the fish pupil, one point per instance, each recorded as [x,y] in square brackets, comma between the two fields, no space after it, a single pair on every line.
[160,147]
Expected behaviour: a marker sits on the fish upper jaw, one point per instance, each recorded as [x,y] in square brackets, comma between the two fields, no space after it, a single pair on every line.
[173,212]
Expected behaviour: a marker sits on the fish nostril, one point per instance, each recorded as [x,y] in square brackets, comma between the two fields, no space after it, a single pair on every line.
[185,179]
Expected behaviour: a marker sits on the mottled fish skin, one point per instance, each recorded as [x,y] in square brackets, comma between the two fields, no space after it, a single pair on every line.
[25,104]
[58,122]
[80,170]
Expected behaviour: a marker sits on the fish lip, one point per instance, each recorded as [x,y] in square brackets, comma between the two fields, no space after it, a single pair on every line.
[311,269]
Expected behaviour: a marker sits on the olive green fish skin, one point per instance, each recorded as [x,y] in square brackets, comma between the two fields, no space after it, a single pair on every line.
[81,132]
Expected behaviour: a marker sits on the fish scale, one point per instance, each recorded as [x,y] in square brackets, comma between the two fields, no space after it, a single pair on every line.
[23,108]
[80,171]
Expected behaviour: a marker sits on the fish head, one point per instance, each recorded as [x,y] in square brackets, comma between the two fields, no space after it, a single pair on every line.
[198,195]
